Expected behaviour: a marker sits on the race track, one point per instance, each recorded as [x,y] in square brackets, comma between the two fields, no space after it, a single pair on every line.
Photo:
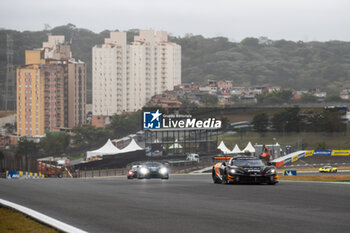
[185,203]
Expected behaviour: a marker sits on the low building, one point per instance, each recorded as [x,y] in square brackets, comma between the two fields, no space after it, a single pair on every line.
[100,121]
[208,90]
[186,87]
[345,94]
[224,85]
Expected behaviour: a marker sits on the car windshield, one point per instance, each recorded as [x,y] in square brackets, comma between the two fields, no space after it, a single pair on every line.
[246,162]
[327,167]
[153,164]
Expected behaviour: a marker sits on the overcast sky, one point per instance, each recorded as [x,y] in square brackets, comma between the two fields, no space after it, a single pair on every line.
[305,20]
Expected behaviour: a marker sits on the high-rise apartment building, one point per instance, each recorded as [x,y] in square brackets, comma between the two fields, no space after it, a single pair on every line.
[126,76]
[76,93]
[40,105]
[51,90]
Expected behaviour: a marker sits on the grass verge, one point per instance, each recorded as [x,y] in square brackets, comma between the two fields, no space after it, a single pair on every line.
[12,221]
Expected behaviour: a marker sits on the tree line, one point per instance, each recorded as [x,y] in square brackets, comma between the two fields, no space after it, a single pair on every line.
[292,120]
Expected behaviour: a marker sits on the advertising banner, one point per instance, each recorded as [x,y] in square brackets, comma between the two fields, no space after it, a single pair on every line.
[309,153]
[340,152]
[13,175]
[294,158]
[289,172]
[322,152]
[288,160]
[300,156]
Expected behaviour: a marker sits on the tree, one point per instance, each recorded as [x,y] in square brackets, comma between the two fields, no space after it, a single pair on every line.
[224,123]
[308,98]
[276,97]
[261,122]
[186,104]
[287,120]
[234,99]
[91,135]
[125,124]
[26,148]
[250,42]
[209,100]
[333,98]
[55,143]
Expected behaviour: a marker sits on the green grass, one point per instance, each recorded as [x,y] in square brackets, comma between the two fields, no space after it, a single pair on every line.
[12,221]
[340,141]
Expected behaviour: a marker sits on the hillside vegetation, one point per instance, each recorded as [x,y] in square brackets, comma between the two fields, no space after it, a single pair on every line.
[298,65]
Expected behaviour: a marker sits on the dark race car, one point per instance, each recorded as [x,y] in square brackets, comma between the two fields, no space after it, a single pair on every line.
[244,170]
[148,170]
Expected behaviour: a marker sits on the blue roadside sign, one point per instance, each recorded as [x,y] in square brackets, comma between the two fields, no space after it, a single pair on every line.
[289,172]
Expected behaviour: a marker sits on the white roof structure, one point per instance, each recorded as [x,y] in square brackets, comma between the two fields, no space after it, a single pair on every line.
[236,150]
[223,148]
[175,145]
[249,148]
[131,147]
[156,141]
[107,149]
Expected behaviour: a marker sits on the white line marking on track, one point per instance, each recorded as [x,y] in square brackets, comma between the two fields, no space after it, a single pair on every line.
[42,217]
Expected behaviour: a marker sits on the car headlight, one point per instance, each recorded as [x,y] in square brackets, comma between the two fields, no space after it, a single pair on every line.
[163,171]
[232,171]
[144,170]
[272,171]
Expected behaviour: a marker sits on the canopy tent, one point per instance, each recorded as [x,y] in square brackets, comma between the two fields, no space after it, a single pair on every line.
[131,147]
[156,141]
[236,150]
[249,148]
[175,145]
[223,148]
[107,149]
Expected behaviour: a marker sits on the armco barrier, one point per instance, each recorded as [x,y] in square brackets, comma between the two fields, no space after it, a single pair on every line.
[295,156]
[287,160]
[292,157]
[302,155]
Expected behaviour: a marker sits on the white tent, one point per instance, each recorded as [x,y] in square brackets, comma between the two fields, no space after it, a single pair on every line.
[223,148]
[131,147]
[156,141]
[249,148]
[107,149]
[175,146]
[236,150]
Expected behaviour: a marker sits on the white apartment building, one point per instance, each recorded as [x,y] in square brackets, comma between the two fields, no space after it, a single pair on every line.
[126,76]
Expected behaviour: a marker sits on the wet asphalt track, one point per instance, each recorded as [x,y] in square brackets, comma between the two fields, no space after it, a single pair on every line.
[185,203]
